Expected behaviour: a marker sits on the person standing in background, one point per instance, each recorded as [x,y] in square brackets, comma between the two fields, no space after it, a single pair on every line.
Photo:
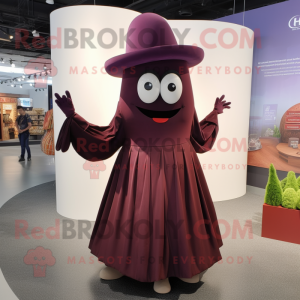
[23,123]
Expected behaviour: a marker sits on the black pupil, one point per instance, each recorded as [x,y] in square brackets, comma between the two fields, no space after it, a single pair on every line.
[148,86]
[171,87]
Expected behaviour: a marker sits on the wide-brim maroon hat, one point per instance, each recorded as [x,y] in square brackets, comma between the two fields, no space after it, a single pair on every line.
[150,38]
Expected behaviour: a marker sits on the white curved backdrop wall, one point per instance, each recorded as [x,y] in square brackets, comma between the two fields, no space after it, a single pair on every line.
[95,95]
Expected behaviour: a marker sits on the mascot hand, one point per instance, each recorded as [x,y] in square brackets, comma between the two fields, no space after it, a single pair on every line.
[65,103]
[220,104]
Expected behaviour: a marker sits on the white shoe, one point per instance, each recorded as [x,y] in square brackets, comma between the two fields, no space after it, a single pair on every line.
[162,286]
[193,279]
[108,273]
[196,278]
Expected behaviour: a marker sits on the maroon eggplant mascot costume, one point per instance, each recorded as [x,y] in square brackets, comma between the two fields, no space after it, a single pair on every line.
[156,219]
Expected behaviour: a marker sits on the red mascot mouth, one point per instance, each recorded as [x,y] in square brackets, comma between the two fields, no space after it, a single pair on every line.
[159,116]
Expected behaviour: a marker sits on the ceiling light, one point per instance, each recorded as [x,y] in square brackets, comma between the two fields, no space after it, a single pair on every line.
[23,76]
[11,37]
[35,33]
[185,12]
[19,79]
[50,1]
[20,86]
[30,84]
[8,69]
[11,85]
[5,40]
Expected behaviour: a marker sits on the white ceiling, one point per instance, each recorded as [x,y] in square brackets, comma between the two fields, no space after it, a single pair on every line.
[8,73]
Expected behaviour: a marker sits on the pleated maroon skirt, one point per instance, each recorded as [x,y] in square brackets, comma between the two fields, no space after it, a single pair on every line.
[157,218]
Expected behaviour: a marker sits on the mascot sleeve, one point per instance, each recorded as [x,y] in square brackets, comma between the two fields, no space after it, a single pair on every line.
[90,141]
[204,134]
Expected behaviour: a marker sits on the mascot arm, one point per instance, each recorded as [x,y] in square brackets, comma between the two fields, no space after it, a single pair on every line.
[204,133]
[90,141]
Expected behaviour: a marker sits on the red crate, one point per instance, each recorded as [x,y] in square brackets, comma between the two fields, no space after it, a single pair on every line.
[280,223]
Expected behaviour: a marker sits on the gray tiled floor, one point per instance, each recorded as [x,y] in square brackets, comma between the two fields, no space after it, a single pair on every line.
[16,177]
[253,267]
[271,274]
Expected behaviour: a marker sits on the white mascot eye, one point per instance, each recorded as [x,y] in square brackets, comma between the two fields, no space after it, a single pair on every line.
[148,88]
[171,88]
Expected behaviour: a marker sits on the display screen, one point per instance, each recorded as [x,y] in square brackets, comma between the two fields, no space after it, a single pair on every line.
[25,102]
[275,104]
